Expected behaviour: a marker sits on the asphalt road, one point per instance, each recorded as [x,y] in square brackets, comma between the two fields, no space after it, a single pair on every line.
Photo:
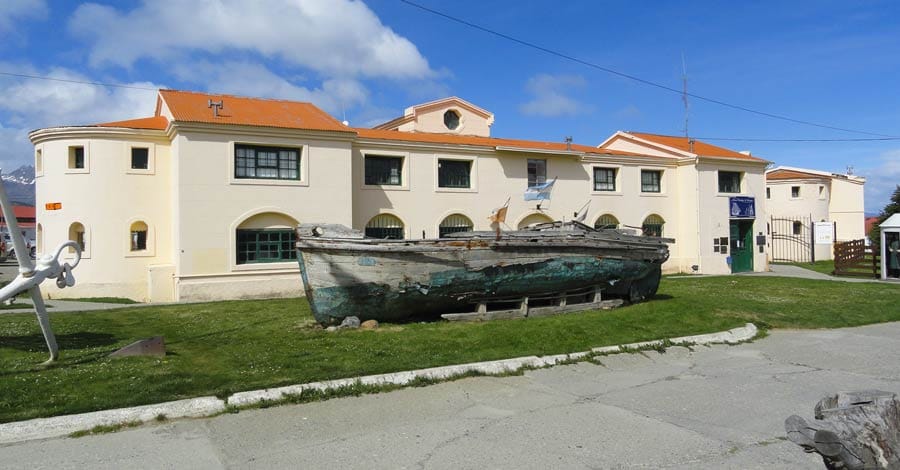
[718,407]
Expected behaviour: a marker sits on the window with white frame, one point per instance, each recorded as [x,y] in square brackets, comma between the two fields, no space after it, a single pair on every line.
[76,234]
[653,226]
[454,223]
[537,171]
[454,173]
[138,236]
[140,158]
[385,226]
[76,157]
[266,245]
[606,221]
[263,162]
[651,181]
[729,181]
[383,170]
[604,179]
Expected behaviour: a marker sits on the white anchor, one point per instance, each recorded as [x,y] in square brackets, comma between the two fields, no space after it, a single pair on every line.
[31,276]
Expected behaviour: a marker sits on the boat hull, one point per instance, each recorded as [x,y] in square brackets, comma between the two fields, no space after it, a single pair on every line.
[375,282]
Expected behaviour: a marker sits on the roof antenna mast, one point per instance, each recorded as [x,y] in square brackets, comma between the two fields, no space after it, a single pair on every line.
[684,93]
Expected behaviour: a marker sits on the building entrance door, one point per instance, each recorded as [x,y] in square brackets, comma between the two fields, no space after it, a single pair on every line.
[741,246]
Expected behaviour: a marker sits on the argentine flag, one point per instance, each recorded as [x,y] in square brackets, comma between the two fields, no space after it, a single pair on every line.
[539,192]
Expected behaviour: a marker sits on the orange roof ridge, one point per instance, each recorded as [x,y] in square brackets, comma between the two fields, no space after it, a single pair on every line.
[699,147]
[190,106]
[442,138]
[153,123]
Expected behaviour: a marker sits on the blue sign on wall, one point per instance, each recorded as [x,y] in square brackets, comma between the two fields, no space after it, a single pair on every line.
[742,207]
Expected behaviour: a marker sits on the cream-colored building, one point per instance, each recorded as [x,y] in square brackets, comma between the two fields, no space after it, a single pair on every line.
[811,210]
[199,201]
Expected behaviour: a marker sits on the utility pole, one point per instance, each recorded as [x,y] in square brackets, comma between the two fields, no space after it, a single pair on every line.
[684,93]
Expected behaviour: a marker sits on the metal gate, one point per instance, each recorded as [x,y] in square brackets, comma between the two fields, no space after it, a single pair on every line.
[792,239]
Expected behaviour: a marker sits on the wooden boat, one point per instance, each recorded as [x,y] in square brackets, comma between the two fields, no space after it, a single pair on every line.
[345,274]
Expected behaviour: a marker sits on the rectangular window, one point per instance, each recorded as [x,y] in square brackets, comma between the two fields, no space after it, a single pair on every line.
[265,246]
[768,193]
[604,179]
[76,157]
[720,245]
[821,192]
[274,163]
[140,158]
[650,181]
[537,172]
[383,171]
[729,182]
[138,240]
[454,173]
[795,191]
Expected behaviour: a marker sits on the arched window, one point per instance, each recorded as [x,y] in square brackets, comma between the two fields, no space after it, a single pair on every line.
[39,235]
[534,219]
[606,221]
[138,234]
[76,234]
[454,223]
[385,226]
[266,238]
[653,226]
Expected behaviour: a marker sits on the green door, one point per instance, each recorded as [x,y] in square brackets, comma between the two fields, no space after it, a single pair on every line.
[741,246]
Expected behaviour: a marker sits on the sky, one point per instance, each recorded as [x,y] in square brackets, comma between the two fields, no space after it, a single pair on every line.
[835,63]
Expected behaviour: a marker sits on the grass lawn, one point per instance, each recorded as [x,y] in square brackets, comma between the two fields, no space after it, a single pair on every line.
[824,267]
[224,347]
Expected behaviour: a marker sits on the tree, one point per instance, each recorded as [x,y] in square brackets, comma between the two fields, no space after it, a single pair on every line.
[893,207]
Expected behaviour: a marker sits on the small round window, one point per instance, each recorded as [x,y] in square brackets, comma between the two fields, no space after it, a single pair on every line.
[451,120]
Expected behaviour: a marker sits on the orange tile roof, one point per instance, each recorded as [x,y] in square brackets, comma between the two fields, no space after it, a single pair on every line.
[792,175]
[188,106]
[454,139]
[700,148]
[154,122]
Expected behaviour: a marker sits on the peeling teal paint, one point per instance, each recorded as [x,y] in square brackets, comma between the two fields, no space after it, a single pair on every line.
[454,290]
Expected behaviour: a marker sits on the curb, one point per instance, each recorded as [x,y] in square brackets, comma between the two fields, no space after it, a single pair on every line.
[43,428]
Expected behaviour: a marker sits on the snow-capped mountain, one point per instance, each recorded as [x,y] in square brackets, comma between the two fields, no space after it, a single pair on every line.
[19,185]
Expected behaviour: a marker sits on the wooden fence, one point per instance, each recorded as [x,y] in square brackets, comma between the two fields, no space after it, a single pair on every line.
[853,258]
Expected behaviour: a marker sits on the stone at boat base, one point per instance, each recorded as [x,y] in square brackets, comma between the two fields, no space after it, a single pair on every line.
[155,346]
[369,325]
[349,323]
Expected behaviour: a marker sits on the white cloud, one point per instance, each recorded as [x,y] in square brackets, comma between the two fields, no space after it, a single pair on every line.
[338,38]
[881,181]
[12,12]
[549,96]
[253,79]
[28,104]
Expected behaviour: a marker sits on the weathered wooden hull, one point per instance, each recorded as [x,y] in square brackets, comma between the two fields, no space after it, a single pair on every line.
[398,280]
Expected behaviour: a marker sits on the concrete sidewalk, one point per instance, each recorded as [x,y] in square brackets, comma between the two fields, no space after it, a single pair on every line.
[69,306]
[788,270]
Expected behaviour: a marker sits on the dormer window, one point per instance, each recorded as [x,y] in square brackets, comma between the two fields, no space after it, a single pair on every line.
[451,120]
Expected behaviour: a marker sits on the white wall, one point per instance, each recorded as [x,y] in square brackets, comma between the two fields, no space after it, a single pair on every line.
[212,204]
[846,209]
[106,197]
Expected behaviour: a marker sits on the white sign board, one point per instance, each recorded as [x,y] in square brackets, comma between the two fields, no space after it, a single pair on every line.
[824,233]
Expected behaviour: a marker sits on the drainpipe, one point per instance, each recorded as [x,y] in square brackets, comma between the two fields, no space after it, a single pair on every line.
[699,246]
